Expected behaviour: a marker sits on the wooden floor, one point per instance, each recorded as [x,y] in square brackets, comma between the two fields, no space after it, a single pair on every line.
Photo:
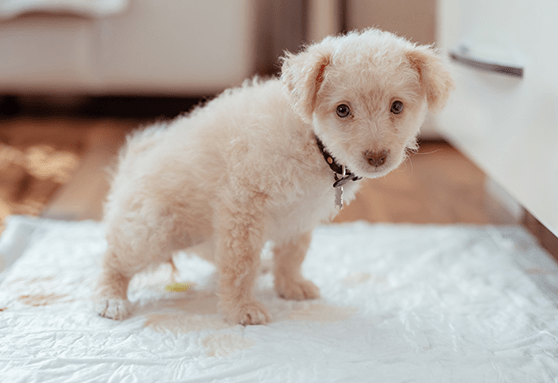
[437,185]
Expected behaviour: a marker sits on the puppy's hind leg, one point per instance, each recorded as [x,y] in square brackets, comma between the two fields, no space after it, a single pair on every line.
[287,260]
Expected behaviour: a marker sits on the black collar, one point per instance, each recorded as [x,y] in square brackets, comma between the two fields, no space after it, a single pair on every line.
[340,178]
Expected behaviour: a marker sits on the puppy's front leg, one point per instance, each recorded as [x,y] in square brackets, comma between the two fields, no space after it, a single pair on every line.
[287,260]
[239,230]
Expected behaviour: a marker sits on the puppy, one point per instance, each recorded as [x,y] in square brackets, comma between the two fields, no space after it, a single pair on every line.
[259,163]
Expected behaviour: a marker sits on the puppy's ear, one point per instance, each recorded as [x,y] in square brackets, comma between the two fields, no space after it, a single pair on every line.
[435,78]
[303,74]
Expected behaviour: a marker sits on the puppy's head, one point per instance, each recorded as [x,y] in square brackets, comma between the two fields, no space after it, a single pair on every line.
[366,95]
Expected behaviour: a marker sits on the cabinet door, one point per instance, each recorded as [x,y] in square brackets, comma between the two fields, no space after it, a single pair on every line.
[507,124]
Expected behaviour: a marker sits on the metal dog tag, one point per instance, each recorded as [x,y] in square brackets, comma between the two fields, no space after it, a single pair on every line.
[339,197]
[338,185]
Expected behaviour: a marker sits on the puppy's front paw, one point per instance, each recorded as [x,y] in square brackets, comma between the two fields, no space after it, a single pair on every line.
[249,313]
[117,309]
[297,290]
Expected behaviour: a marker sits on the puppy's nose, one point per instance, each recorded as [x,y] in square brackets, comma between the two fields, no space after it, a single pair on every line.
[376,158]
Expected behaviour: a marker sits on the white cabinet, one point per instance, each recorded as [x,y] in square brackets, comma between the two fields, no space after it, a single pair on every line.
[170,47]
[506,124]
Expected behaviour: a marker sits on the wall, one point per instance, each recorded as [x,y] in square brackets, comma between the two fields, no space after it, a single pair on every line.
[414,19]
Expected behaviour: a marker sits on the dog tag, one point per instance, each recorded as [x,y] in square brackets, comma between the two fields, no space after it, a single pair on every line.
[338,185]
[339,197]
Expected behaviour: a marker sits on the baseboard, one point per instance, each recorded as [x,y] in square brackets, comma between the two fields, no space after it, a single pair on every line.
[545,237]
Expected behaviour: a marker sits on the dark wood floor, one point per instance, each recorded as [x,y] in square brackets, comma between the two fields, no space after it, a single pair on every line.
[436,185]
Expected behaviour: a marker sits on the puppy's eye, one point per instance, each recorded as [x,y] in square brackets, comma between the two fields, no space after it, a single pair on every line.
[396,107]
[343,111]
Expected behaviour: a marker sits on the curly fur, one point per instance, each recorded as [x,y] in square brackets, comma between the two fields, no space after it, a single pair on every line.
[245,169]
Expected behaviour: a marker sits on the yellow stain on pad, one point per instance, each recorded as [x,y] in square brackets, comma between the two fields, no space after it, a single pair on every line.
[41,299]
[177,287]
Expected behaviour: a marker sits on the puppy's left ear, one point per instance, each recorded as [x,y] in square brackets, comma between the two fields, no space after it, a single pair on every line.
[303,74]
[435,79]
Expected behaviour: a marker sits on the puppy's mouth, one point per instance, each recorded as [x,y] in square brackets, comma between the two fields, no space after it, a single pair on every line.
[375,172]
[371,164]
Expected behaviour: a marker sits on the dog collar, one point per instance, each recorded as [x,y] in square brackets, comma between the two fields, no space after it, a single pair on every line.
[342,173]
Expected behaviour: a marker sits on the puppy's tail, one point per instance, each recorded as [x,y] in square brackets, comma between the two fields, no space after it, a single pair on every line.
[143,139]
[137,143]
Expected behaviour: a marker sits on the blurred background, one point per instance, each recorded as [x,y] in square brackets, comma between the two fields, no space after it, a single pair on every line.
[76,76]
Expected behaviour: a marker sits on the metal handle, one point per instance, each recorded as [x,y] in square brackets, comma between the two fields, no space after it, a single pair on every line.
[461,56]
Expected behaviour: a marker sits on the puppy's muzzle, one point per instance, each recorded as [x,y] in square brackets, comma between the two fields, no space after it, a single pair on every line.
[376,159]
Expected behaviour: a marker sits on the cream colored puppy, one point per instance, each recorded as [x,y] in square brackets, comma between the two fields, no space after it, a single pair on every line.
[258,164]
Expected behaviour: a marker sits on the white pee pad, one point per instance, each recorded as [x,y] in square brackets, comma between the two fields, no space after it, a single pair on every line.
[400,303]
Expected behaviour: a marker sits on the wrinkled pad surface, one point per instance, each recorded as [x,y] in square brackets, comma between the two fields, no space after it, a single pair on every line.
[399,303]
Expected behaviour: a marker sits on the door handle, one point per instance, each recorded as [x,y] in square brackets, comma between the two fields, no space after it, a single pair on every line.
[462,56]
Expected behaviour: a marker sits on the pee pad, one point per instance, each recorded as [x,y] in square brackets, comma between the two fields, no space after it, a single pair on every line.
[400,303]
